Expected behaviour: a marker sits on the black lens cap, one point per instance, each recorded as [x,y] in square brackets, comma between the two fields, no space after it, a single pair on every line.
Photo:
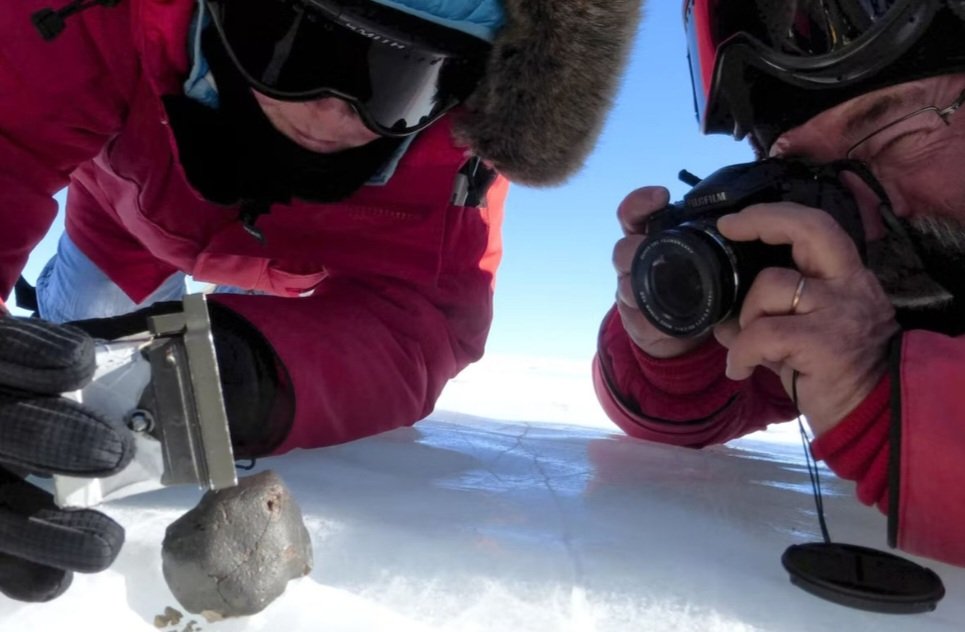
[863,578]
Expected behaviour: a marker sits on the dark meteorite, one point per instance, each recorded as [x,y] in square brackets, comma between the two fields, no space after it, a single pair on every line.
[235,552]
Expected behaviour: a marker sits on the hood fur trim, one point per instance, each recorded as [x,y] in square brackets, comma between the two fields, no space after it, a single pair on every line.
[551,79]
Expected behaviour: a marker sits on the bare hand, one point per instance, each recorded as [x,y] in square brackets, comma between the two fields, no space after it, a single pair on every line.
[632,214]
[836,337]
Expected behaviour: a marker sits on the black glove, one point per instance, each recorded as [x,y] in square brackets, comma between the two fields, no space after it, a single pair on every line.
[44,433]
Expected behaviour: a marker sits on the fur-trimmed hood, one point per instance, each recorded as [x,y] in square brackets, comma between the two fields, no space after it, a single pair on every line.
[552,75]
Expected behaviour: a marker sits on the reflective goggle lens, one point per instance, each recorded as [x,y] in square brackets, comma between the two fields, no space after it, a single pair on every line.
[701,53]
[295,50]
[780,30]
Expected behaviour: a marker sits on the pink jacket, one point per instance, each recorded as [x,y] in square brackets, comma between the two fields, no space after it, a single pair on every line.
[909,451]
[396,282]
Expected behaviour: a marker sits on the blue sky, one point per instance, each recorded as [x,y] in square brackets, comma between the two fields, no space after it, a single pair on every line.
[556,280]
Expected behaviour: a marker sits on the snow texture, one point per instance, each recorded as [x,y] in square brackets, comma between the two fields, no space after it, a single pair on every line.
[466,524]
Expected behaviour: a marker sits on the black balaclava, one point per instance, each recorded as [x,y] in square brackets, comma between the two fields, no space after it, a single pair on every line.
[234,154]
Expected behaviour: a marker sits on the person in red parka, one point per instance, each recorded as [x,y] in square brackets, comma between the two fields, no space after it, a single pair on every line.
[337,168]
[873,349]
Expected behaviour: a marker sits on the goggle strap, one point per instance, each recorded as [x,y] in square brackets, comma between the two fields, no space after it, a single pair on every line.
[282,51]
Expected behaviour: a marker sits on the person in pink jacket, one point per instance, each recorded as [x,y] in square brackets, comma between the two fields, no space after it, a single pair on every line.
[874,349]
[337,168]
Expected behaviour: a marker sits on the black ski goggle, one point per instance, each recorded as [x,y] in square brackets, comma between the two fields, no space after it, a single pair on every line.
[781,62]
[400,73]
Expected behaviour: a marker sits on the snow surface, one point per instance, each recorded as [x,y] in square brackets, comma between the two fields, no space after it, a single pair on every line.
[465,523]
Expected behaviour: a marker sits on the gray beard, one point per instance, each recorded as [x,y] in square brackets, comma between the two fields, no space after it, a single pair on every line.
[900,270]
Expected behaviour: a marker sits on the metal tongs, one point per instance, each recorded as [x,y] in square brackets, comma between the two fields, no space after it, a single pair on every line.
[164,384]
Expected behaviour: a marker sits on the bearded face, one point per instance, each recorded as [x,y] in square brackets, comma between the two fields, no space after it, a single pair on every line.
[910,139]
[904,275]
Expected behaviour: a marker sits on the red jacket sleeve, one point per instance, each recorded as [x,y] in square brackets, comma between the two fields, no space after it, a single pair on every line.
[905,446]
[927,441]
[366,355]
[857,448]
[60,102]
[684,401]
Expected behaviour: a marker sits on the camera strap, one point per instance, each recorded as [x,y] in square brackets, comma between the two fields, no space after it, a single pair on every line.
[862,170]
[856,576]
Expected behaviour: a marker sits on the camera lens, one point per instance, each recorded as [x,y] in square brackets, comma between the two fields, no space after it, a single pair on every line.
[677,287]
[684,280]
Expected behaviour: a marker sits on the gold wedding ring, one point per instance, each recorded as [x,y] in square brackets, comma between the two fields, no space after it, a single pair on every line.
[798,291]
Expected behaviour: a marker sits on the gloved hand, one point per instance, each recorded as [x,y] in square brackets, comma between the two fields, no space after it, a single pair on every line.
[43,433]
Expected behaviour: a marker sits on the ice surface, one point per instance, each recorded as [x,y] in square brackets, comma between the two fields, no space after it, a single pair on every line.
[463,523]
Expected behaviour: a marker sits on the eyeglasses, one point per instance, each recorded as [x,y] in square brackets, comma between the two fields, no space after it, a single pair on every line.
[943,116]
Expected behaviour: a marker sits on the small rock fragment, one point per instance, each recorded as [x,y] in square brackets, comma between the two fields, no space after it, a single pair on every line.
[171,616]
[235,552]
[210,616]
[174,615]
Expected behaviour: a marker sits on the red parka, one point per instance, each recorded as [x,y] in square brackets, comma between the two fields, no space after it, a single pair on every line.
[904,445]
[376,301]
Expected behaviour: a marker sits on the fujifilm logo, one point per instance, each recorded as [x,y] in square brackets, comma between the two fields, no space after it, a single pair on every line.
[707,200]
[375,37]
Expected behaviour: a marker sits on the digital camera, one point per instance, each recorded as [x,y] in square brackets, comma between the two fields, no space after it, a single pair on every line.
[687,277]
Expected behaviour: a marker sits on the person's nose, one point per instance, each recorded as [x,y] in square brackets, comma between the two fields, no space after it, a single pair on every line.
[806,144]
[781,147]
[333,106]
